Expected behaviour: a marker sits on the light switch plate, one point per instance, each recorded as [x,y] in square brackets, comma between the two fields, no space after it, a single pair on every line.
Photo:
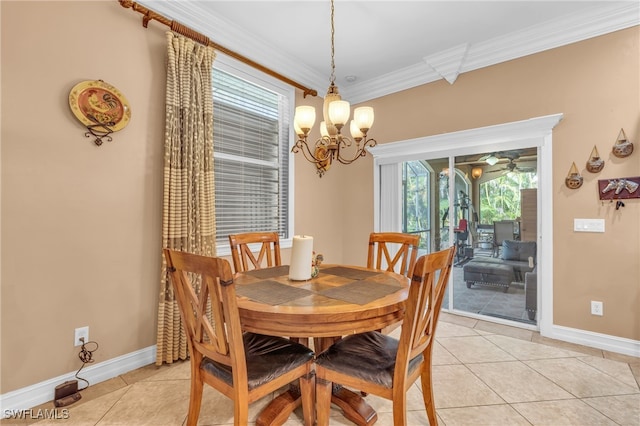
[588,225]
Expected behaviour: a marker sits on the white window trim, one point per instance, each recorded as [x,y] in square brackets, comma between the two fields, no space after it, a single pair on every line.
[235,67]
[519,134]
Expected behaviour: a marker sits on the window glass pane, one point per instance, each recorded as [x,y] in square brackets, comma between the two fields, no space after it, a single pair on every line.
[416,181]
[251,139]
[500,197]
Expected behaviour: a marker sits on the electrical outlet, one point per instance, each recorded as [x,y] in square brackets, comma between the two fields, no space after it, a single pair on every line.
[82,332]
[596,308]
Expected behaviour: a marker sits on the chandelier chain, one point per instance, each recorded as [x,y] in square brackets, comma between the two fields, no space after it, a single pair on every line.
[333,62]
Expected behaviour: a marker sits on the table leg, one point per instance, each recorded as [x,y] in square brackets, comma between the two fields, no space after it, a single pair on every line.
[279,410]
[353,406]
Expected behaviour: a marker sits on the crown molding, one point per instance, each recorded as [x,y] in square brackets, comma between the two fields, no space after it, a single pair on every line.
[451,62]
[448,62]
[535,39]
[402,79]
[551,34]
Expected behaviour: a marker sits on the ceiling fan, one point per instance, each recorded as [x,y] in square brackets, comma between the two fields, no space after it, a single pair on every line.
[511,166]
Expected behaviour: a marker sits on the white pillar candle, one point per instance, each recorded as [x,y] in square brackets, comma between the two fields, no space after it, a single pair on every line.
[301,252]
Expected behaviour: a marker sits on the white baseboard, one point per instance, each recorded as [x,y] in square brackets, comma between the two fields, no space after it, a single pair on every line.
[39,393]
[605,342]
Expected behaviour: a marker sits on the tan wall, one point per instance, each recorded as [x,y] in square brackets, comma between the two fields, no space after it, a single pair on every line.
[81,224]
[595,85]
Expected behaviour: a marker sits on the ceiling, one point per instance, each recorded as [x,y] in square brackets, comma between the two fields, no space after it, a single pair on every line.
[382,47]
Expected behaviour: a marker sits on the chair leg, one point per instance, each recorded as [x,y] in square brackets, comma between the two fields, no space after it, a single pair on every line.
[241,411]
[195,397]
[308,390]
[400,409]
[427,395]
[323,401]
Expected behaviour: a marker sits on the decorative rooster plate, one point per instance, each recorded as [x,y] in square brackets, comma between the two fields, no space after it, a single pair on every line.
[95,102]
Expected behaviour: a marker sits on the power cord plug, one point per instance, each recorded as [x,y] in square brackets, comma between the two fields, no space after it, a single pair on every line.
[86,356]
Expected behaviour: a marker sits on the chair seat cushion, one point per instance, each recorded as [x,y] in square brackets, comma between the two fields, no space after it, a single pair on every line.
[368,356]
[267,357]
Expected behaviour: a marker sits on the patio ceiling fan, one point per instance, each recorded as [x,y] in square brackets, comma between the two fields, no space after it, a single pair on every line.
[512,166]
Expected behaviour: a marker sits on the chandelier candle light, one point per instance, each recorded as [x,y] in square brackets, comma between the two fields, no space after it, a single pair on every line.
[336,114]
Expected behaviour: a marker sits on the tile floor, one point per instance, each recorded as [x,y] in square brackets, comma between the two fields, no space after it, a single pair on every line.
[492,301]
[483,373]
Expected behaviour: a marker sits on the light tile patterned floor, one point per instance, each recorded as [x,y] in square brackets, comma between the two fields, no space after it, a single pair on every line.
[483,373]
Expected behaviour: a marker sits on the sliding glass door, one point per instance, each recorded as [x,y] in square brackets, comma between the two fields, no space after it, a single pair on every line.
[477,205]
[488,191]
[491,277]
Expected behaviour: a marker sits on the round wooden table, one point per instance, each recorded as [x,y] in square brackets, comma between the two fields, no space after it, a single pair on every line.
[341,300]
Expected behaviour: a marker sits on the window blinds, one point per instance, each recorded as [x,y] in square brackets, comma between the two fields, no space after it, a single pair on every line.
[250,136]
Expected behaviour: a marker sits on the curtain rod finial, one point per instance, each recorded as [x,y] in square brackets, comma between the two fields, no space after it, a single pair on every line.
[126,4]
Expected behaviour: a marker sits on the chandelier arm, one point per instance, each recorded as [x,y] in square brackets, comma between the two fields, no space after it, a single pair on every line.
[362,152]
[301,145]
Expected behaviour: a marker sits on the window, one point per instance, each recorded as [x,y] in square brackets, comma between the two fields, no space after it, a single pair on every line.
[416,188]
[500,197]
[251,137]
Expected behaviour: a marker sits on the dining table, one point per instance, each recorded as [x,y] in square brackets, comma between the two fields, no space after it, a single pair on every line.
[340,300]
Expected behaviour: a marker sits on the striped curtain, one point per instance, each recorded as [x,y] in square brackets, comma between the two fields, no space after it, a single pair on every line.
[188,210]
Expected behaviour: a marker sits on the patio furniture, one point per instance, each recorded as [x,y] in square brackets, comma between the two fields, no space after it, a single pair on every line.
[531,293]
[488,273]
[502,230]
[516,259]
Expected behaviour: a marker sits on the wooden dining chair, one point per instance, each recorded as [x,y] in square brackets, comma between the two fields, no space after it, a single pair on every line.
[242,366]
[378,364]
[244,259]
[382,244]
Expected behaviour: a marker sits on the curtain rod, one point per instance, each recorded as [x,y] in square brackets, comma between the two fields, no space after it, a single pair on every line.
[150,15]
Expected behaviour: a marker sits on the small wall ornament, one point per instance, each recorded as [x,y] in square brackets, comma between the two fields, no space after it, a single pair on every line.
[611,189]
[619,189]
[100,107]
[573,179]
[595,163]
[623,146]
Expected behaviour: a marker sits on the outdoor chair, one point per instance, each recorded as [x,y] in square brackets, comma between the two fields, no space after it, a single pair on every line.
[502,230]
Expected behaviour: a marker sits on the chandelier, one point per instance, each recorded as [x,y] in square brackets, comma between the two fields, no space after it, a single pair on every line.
[332,144]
